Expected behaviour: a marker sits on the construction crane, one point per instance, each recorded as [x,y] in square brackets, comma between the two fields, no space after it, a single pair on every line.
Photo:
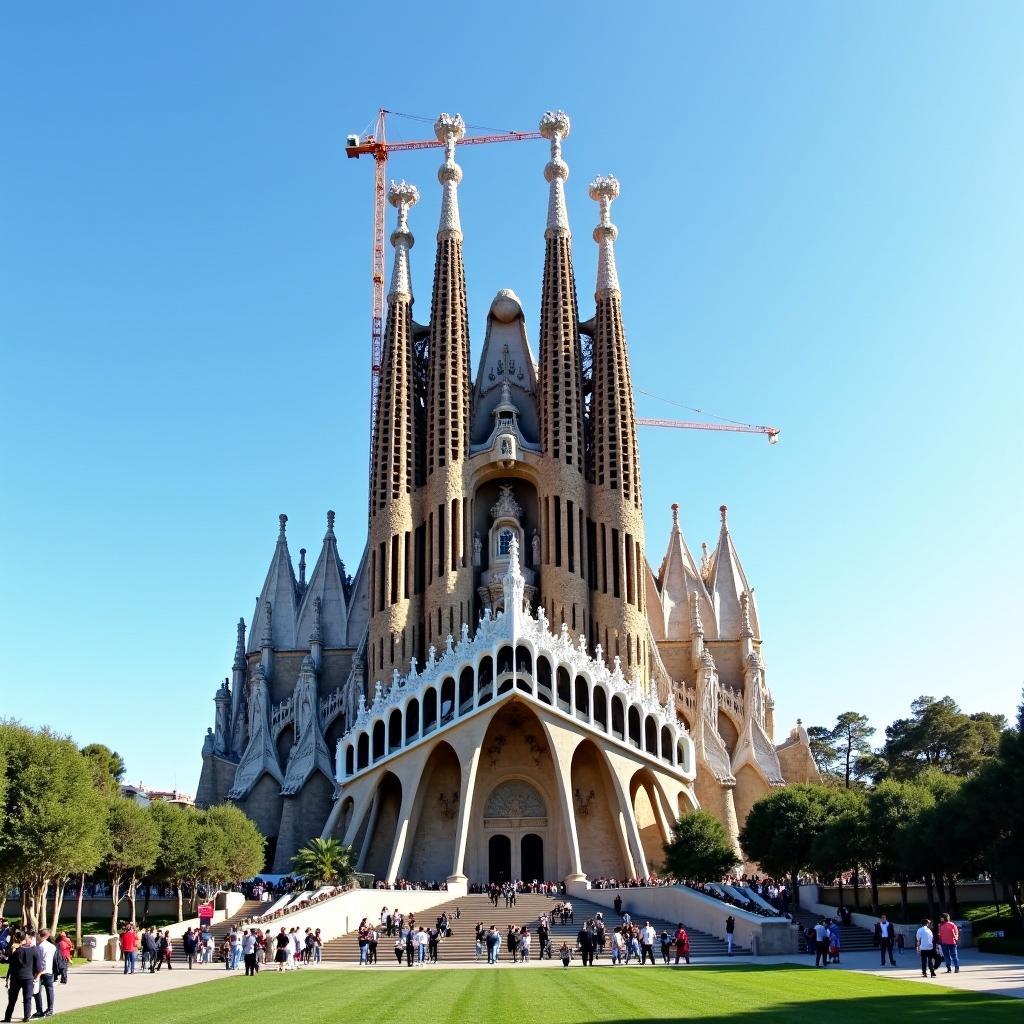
[377,146]
[743,428]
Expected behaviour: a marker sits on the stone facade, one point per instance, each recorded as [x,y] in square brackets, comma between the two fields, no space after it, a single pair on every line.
[506,687]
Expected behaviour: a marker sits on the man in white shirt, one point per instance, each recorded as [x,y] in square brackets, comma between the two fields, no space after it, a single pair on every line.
[821,944]
[926,947]
[648,936]
[885,938]
[45,954]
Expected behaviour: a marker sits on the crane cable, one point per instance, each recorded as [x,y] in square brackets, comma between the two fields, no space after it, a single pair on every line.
[690,408]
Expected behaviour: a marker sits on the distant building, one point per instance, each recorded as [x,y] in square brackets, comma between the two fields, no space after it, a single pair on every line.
[143,796]
[507,687]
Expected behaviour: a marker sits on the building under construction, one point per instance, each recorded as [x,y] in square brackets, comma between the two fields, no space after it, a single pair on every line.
[508,686]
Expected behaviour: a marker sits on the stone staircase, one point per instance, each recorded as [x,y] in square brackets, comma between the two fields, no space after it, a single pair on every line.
[461,945]
[219,931]
[852,938]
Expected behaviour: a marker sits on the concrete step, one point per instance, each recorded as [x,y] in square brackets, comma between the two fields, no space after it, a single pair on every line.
[461,945]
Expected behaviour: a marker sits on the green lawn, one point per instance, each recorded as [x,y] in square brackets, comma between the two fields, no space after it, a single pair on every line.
[743,994]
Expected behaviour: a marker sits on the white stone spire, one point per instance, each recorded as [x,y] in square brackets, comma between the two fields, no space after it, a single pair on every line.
[555,125]
[604,189]
[239,662]
[449,130]
[401,196]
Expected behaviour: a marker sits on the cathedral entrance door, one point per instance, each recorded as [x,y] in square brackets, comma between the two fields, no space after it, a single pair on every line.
[499,855]
[531,852]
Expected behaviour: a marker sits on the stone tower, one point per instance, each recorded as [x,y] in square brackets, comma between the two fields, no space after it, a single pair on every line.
[449,576]
[619,617]
[562,487]
[395,603]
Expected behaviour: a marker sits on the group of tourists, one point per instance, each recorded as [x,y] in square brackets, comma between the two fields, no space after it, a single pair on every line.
[824,940]
[152,947]
[34,963]
[310,901]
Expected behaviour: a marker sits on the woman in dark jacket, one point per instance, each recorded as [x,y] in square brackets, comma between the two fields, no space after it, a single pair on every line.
[23,968]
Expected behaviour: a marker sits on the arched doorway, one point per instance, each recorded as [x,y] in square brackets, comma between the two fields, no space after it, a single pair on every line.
[499,857]
[531,854]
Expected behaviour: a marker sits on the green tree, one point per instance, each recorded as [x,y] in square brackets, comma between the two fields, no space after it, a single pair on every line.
[179,857]
[107,767]
[324,862]
[52,818]
[700,850]
[132,850]
[838,847]
[939,735]
[232,847]
[781,828]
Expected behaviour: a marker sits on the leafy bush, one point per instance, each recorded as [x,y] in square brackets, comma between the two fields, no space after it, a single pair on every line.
[1012,945]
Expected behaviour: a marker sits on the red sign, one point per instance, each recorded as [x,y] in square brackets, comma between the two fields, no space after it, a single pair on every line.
[205,911]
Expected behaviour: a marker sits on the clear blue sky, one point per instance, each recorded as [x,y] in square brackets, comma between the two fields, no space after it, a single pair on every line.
[821,227]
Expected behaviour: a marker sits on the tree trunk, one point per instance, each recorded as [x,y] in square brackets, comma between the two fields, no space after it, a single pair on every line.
[796,887]
[873,875]
[78,912]
[1011,896]
[856,887]
[132,885]
[940,887]
[115,901]
[145,905]
[904,912]
[929,885]
[58,903]
[181,900]
[954,902]
[995,895]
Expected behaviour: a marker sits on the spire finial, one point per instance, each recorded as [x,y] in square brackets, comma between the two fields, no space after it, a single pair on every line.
[283,520]
[555,126]
[239,662]
[268,629]
[302,567]
[746,628]
[314,637]
[330,522]
[604,189]
[675,514]
[401,196]
[449,130]
[724,512]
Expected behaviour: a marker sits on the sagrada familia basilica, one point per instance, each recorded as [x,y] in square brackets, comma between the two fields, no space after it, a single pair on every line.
[506,687]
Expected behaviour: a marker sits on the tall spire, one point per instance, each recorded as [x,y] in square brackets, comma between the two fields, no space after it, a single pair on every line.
[616,453]
[392,462]
[448,385]
[615,502]
[562,490]
[729,588]
[281,590]
[239,662]
[324,609]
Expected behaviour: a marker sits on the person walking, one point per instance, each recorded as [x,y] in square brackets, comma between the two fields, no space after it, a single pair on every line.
[45,953]
[949,936]
[249,952]
[165,949]
[925,945]
[885,938]
[493,944]
[65,949]
[149,949]
[585,941]
[682,943]
[647,939]
[188,944]
[821,944]
[730,933]
[129,940]
[22,971]
[283,944]
[834,941]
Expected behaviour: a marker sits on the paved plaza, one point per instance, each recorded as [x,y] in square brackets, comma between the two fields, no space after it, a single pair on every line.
[96,983]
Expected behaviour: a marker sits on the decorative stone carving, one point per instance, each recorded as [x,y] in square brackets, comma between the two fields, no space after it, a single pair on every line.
[514,799]
[506,506]
[555,126]
[604,189]
[309,751]
[402,196]
[478,547]
[449,130]
[535,549]
[260,755]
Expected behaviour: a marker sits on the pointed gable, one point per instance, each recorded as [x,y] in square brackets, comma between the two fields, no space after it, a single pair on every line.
[328,584]
[278,599]
[679,579]
[728,584]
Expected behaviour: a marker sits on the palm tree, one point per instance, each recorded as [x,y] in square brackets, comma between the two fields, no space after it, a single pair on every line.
[324,862]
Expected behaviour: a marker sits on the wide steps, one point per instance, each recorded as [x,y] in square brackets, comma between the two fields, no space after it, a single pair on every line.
[852,938]
[220,930]
[461,945]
